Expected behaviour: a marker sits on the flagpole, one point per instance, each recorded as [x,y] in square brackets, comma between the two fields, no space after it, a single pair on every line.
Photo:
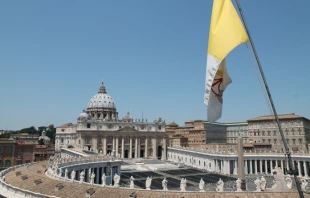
[288,153]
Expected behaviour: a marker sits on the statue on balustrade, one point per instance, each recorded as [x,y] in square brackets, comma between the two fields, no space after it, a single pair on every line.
[148,183]
[164,184]
[220,186]
[201,185]
[183,185]
[257,182]
[82,177]
[263,183]
[73,175]
[92,178]
[288,181]
[304,185]
[238,185]
[103,178]
[116,180]
[132,184]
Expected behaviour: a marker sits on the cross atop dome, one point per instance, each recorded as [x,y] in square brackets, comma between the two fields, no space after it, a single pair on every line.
[102,89]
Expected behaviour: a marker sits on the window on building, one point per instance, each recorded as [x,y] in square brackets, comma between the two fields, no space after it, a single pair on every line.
[269,141]
[1,149]
[300,141]
[275,141]
[62,140]
[274,133]
[263,133]
[294,141]
[88,126]
[263,140]
[19,162]
[269,133]
[7,163]
[1,163]
[159,127]
[8,149]
[288,141]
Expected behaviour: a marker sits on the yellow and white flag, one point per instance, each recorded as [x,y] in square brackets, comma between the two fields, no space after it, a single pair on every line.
[226,32]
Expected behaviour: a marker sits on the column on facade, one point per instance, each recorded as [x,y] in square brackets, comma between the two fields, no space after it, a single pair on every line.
[130,147]
[104,145]
[123,147]
[266,167]
[139,147]
[246,166]
[276,164]
[255,164]
[97,176]
[251,166]
[228,167]
[113,145]
[146,147]
[235,167]
[299,169]
[89,174]
[82,142]
[261,166]
[305,169]
[270,166]
[282,166]
[136,148]
[116,146]
[95,141]
[163,150]
[287,166]
[154,148]
[222,166]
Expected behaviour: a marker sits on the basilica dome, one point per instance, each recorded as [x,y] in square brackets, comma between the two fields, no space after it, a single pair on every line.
[83,115]
[101,100]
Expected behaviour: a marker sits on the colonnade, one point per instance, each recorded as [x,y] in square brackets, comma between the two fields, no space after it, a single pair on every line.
[128,146]
[226,163]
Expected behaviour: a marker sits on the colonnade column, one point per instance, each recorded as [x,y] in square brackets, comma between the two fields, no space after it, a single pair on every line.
[235,167]
[136,148]
[123,147]
[163,155]
[287,166]
[154,148]
[116,146]
[97,176]
[282,166]
[246,166]
[261,166]
[251,166]
[276,164]
[146,148]
[305,169]
[270,166]
[255,164]
[299,169]
[95,141]
[130,147]
[266,167]
[113,147]
[104,145]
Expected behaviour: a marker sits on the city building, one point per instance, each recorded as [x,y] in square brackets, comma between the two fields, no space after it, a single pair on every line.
[7,150]
[264,132]
[24,151]
[99,130]
[43,152]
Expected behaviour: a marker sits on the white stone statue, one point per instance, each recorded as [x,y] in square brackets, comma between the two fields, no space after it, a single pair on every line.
[164,184]
[73,175]
[238,185]
[82,177]
[92,178]
[66,173]
[201,185]
[103,178]
[220,186]
[258,184]
[183,185]
[116,180]
[288,182]
[304,184]
[263,183]
[148,183]
[132,184]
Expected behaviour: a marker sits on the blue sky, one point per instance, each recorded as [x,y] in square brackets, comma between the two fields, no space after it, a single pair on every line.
[151,56]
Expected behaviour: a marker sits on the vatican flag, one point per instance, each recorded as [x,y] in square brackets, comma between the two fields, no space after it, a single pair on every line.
[226,32]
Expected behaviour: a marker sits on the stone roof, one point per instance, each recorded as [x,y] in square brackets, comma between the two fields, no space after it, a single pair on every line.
[172,124]
[66,125]
[281,116]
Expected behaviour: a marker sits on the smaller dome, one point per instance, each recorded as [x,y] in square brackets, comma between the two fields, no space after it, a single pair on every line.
[83,116]
[127,118]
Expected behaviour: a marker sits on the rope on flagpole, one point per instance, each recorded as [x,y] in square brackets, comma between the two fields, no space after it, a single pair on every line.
[291,167]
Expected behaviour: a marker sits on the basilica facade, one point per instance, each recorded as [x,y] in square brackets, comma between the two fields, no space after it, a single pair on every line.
[100,130]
